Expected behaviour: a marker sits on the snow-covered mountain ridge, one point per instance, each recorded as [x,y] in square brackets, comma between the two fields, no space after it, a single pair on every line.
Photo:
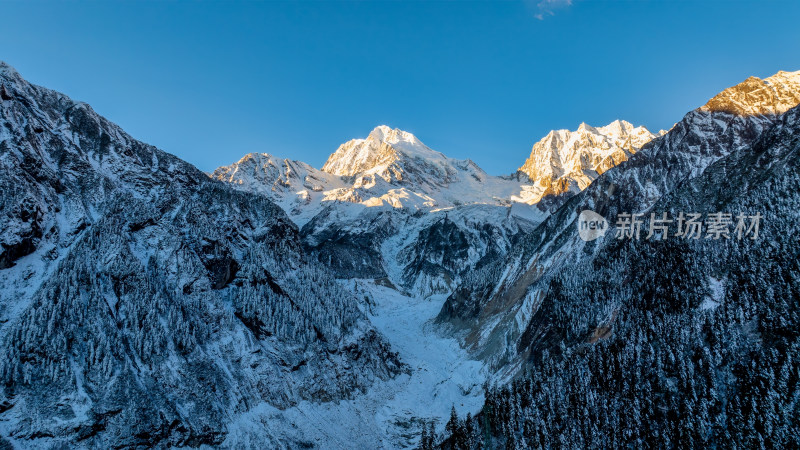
[144,303]
[390,168]
[687,343]
[301,190]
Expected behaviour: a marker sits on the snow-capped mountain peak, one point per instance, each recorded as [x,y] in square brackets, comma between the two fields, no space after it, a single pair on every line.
[385,152]
[567,160]
[402,140]
[296,186]
[268,168]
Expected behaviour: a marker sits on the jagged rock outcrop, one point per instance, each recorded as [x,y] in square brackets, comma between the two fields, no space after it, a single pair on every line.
[754,96]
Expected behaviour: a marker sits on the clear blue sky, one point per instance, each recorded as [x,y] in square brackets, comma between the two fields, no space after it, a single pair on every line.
[210,82]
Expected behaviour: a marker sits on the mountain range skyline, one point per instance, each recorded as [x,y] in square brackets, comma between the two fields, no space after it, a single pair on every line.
[210,82]
[146,303]
[514,169]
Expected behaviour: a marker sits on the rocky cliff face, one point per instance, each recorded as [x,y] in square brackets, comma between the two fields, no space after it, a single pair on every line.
[421,254]
[143,303]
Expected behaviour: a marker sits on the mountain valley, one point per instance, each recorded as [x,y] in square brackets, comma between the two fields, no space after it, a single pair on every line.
[270,304]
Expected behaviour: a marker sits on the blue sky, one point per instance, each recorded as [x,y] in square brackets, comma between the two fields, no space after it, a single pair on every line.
[212,81]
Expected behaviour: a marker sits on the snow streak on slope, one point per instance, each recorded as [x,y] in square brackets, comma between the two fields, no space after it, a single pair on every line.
[390,414]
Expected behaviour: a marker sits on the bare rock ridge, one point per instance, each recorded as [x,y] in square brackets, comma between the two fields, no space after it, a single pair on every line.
[754,96]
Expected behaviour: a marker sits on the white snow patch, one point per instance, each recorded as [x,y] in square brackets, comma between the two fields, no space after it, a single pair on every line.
[717,288]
